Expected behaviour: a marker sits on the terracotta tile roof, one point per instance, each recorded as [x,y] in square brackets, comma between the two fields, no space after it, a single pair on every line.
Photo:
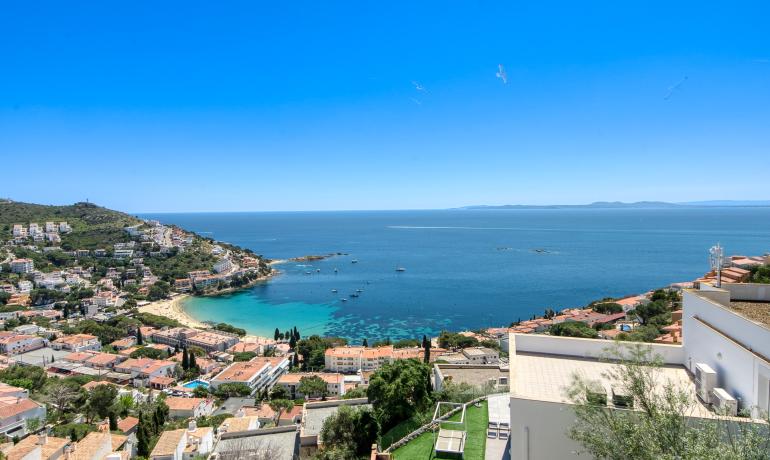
[175,403]
[11,406]
[168,443]
[127,424]
[295,377]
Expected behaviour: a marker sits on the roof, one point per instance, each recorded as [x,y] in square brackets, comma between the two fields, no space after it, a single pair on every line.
[26,445]
[247,370]
[314,414]
[282,441]
[758,312]
[177,403]
[547,377]
[168,442]
[75,339]
[127,424]
[11,406]
[295,377]
[234,424]
[263,411]
[472,374]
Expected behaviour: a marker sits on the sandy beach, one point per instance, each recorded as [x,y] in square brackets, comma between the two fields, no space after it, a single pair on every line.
[172,308]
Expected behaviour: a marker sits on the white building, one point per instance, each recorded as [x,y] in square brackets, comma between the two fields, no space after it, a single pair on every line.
[223,265]
[724,336]
[258,374]
[64,227]
[184,444]
[51,227]
[22,265]
[19,231]
[25,286]
[35,230]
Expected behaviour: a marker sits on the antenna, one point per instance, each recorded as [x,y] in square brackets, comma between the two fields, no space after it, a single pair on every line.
[716,258]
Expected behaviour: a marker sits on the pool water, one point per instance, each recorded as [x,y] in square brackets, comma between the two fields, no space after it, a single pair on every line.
[193,384]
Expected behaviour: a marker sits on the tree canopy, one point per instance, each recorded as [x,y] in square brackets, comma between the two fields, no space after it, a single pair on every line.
[399,389]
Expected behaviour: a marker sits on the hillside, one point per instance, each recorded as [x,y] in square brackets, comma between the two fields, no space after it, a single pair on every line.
[83,248]
[92,226]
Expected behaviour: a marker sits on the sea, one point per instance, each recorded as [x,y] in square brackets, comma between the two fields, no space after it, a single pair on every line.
[463,269]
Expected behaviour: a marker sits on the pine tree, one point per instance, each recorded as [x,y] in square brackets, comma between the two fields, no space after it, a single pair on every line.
[139,338]
[185,359]
[113,422]
[277,334]
[193,364]
[426,344]
[142,438]
[366,343]
[292,342]
[296,334]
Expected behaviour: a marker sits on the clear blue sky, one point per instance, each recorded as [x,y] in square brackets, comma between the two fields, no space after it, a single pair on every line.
[241,106]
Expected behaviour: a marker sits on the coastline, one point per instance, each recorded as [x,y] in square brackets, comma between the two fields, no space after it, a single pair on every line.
[172,308]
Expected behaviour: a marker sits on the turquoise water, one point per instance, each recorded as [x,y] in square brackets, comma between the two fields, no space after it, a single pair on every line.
[464,269]
[193,384]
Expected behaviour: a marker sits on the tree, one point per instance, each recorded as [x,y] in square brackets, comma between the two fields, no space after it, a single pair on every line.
[125,404]
[279,392]
[139,338]
[244,356]
[313,386]
[185,359]
[277,334]
[573,329]
[453,340]
[101,398]
[113,421]
[61,393]
[193,364]
[142,437]
[227,390]
[660,427]
[365,343]
[280,406]
[607,308]
[397,390]
[426,346]
[32,378]
[350,429]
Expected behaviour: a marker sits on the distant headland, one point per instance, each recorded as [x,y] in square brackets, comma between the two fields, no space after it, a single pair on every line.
[632,205]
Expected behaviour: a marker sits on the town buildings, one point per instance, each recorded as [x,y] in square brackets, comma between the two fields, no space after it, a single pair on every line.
[354,359]
[335,383]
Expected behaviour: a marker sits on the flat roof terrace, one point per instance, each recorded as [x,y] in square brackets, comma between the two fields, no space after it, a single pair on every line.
[547,378]
[759,312]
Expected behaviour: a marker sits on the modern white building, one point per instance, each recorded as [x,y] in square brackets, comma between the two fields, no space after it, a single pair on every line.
[258,374]
[726,343]
[223,265]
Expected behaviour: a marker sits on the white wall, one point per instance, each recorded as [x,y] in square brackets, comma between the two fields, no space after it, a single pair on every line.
[584,348]
[731,351]
[749,291]
[539,430]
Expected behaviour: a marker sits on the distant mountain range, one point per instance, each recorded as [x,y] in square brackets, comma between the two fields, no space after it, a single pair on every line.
[634,205]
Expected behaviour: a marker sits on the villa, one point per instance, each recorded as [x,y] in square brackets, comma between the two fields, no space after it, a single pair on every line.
[724,361]
[258,374]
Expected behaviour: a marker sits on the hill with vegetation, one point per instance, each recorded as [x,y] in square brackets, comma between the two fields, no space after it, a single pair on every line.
[92,226]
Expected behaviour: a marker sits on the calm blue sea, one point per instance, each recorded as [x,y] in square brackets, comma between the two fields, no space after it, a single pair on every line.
[465,269]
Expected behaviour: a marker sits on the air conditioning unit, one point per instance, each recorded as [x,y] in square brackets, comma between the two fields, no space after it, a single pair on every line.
[724,403]
[705,381]
[621,397]
[596,394]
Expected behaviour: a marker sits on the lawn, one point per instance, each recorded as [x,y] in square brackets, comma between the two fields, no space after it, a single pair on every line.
[476,425]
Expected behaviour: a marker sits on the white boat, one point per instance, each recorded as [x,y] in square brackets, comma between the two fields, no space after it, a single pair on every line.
[400,269]
[354,261]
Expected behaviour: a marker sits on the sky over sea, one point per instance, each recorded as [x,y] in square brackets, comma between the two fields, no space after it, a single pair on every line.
[249,106]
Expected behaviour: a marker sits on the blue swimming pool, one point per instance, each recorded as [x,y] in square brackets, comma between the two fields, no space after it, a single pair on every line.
[193,384]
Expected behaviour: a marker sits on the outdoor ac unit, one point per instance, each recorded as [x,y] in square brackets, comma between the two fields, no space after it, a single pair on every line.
[621,397]
[596,394]
[724,403]
[705,381]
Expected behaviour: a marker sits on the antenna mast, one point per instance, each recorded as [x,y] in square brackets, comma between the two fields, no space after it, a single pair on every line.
[716,258]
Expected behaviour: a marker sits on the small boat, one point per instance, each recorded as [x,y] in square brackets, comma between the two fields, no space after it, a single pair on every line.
[400,269]
[354,261]
[359,290]
[344,300]
[308,272]
[334,291]
[354,295]
[318,270]
[335,270]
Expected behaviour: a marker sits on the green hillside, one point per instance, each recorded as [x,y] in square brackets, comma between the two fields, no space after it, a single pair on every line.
[92,226]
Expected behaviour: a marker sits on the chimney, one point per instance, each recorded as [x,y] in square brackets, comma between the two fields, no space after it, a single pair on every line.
[240,413]
[192,426]
[42,438]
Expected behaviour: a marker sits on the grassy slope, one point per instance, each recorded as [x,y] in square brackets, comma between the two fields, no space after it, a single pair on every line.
[92,226]
[475,444]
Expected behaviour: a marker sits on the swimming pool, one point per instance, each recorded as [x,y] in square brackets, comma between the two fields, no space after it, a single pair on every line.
[193,384]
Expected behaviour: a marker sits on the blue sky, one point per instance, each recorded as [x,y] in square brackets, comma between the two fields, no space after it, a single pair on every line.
[249,106]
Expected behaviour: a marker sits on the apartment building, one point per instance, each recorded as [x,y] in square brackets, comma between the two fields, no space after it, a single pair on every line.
[185,337]
[354,359]
[77,342]
[13,343]
[144,369]
[184,444]
[22,265]
[335,383]
[724,360]
[259,374]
